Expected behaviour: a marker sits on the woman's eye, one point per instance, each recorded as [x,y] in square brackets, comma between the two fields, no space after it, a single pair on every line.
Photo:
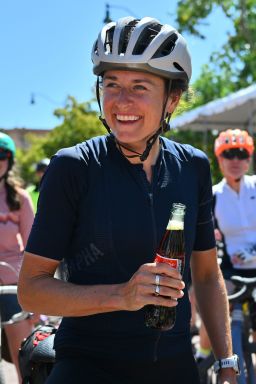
[111,85]
[139,87]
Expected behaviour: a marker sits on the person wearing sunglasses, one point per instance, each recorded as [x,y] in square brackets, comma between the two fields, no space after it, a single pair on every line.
[16,218]
[235,200]
[234,211]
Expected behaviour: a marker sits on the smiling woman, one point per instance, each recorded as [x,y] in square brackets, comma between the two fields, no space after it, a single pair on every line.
[103,208]
[154,50]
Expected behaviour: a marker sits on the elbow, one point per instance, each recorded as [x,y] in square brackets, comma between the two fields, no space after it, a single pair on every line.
[24,297]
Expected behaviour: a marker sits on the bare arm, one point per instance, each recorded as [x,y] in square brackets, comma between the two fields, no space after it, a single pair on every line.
[40,292]
[213,305]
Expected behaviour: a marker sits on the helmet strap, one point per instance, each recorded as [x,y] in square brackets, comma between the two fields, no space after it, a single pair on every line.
[120,146]
[99,104]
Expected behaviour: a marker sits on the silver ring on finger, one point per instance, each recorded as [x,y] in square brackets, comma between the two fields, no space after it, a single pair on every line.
[157,290]
[157,279]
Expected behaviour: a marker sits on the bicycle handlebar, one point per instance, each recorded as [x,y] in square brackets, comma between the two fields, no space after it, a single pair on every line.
[8,289]
[246,285]
[12,290]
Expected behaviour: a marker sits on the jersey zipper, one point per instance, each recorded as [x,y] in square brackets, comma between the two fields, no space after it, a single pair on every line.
[149,191]
[151,202]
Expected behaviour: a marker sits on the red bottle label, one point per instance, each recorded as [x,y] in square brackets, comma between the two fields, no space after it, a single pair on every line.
[174,263]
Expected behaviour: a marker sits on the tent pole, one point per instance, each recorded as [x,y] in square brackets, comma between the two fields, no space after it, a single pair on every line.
[205,140]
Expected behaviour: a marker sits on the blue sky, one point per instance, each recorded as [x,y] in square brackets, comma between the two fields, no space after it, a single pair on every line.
[46,47]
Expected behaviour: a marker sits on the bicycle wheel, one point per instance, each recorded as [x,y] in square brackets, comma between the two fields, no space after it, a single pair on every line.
[249,368]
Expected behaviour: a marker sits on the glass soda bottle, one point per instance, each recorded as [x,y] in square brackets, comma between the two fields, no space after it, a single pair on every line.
[172,251]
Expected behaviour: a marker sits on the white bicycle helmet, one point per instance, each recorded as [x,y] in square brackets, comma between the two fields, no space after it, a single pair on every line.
[142,45]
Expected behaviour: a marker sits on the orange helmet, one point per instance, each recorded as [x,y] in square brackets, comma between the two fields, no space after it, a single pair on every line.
[233,138]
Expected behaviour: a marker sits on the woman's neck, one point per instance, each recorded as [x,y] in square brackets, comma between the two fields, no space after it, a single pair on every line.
[150,160]
[234,184]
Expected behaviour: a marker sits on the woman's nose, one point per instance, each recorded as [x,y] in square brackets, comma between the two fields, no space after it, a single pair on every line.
[124,96]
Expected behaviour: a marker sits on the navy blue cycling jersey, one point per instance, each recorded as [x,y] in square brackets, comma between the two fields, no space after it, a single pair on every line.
[99,214]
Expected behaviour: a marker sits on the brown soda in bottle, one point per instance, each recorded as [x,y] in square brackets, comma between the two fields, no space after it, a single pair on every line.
[172,251]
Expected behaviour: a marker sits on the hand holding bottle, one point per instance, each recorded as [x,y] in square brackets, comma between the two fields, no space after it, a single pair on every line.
[140,290]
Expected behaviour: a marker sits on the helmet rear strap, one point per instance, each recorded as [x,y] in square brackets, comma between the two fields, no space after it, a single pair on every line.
[99,104]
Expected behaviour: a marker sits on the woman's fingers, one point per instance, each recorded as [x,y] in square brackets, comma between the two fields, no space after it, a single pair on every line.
[153,284]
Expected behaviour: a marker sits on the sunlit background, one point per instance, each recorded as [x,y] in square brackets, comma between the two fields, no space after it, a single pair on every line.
[46,46]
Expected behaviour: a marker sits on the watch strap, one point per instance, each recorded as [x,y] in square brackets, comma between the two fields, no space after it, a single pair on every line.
[229,362]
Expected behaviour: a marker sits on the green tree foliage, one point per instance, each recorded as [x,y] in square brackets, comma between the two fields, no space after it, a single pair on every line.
[79,123]
[233,66]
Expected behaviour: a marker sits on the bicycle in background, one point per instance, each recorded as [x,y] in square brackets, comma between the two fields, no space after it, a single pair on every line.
[243,345]
[8,290]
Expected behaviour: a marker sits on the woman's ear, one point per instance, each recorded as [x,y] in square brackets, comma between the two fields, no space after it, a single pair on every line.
[173,101]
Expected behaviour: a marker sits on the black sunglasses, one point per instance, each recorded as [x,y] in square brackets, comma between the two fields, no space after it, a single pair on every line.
[4,154]
[239,153]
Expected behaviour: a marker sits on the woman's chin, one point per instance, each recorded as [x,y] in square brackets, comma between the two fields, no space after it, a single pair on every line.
[126,138]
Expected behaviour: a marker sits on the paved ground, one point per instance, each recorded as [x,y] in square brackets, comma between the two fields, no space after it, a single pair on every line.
[10,373]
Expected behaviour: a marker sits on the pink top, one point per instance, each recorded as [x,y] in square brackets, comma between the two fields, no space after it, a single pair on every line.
[15,227]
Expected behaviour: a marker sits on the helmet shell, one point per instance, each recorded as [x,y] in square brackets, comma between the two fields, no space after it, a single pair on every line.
[7,144]
[142,45]
[233,138]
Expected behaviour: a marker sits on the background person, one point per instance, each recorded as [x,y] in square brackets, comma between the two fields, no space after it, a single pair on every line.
[16,218]
[33,190]
[103,208]
[234,212]
[235,202]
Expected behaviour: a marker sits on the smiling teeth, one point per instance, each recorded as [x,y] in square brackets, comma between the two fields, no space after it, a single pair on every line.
[127,117]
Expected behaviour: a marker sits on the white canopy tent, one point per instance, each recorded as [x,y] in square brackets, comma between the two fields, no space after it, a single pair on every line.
[237,110]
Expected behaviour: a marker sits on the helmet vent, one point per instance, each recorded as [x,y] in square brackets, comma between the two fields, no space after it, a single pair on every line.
[109,40]
[125,36]
[177,66]
[146,37]
[167,47]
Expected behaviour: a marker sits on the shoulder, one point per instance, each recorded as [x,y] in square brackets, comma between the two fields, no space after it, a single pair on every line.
[80,154]
[219,187]
[24,196]
[188,158]
[184,152]
[250,181]
[23,193]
